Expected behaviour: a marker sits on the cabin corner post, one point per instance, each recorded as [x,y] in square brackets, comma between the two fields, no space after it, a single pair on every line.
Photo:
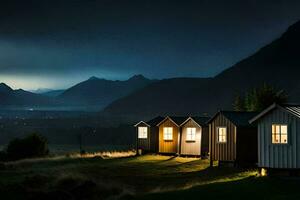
[210,145]
[180,141]
[136,141]
[149,138]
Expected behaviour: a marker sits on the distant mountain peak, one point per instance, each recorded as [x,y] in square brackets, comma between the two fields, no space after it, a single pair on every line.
[4,87]
[137,77]
[41,90]
[21,91]
[92,78]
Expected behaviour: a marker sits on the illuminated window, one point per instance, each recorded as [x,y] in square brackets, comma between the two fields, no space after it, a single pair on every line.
[168,133]
[222,134]
[279,134]
[191,134]
[142,133]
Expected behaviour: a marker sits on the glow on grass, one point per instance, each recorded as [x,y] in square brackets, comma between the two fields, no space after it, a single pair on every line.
[107,154]
[168,159]
[151,158]
[236,177]
[185,160]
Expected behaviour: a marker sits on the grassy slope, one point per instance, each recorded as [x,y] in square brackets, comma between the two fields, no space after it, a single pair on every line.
[248,188]
[145,177]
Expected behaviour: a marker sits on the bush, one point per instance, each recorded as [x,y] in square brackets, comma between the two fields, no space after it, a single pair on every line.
[3,156]
[31,146]
[2,166]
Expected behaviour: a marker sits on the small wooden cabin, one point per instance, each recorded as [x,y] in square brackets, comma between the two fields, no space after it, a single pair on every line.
[147,135]
[279,137]
[232,139]
[169,135]
[194,137]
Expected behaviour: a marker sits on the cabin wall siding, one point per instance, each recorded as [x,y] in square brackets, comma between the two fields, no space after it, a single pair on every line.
[278,155]
[246,145]
[205,141]
[154,139]
[191,147]
[143,144]
[169,146]
[222,151]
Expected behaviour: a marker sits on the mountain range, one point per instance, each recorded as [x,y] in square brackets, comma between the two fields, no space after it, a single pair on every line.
[10,97]
[94,93]
[277,64]
[101,92]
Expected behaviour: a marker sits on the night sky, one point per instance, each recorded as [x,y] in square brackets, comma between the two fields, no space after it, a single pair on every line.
[54,44]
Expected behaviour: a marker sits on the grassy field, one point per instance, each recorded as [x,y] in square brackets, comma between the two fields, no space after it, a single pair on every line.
[67,148]
[144,177]
[58,149]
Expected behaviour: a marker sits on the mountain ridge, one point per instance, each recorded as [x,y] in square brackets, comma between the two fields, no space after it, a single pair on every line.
[94,92]
[101,92]
[276,63]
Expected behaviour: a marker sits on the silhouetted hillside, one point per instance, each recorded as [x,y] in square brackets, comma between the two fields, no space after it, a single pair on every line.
[92,94]
[53,93]
[10,97]
[277,63]
[101,92]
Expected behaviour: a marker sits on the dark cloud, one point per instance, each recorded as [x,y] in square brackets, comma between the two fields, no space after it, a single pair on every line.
[119,38]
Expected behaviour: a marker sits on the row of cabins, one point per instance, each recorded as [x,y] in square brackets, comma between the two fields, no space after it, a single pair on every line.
[174,135]
[270,139]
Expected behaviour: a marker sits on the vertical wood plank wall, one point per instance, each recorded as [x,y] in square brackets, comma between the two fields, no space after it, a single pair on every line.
[143,143]
[168,146]
[204,141]
[154,139]
[284,156]
[191,147]
[222,151]
[246,145]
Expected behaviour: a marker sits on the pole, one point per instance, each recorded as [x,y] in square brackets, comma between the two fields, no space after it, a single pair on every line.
[80,143]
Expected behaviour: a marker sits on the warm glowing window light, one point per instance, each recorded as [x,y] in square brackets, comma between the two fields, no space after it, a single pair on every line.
[143,132]
[191,134]
[168,133]
[279,134]
[222,134]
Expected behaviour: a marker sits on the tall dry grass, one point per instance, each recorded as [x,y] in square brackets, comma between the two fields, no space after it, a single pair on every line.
[102,155]
[106,154]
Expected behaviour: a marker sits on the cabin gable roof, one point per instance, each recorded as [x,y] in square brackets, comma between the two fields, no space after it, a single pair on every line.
[200,121]
[152,122]
[155,121]
[293,109]
[141,122]
[239,119]
[187,120]
[176,120]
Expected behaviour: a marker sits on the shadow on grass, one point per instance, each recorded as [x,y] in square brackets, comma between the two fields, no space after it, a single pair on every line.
[192,162]
[169,159]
